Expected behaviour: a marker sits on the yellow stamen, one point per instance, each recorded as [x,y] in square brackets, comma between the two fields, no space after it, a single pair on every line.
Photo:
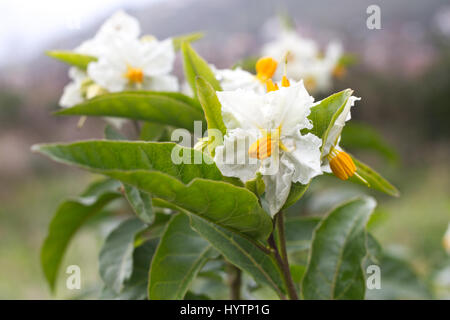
[285,82]
[264,147]
[341,164]
[135,75]
[265,68]
[271,86]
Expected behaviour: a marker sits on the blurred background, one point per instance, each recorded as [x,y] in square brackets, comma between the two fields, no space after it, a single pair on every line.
[402,73]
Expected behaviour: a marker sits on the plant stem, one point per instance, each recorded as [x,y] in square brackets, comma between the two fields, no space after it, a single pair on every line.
[282,258]
[235,281]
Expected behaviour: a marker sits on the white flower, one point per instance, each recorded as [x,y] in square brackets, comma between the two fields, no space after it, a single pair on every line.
[305,60]
[82,88]
[72,94]
[135,64]
[233,79]
[119,25]
[263,135]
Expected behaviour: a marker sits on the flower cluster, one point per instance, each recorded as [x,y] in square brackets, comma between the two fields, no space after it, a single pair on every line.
[124,61]
[306,61]
[264,121]
[265,114]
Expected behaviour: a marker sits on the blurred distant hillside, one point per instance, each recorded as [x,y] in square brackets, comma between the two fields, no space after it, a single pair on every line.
[402,71]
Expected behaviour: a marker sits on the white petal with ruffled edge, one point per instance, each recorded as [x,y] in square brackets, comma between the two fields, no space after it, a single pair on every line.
[278,186]
[293,106]
[233,79]
[242,109]
[305,156]
[232,160]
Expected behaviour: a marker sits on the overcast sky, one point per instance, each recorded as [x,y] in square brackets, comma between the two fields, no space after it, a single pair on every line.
[25,25]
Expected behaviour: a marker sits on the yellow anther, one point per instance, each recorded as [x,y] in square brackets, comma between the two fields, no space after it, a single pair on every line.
[134,75]
[271,86]
[265,68]
[264,147]
[285,82]
[341,164]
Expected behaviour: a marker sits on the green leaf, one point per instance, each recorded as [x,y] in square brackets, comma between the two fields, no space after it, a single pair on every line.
[197,188]
[297,191]
[375,180]
[324,114]
[299,231]
[297,272]
[141,202]
[399,281]
[168,108]
[195,66]
[242,252]
[75,59]
[338,249]
[116,255]
[135,288]
[68,219]
[180,255]
[152,131]
[364,137]
[190,37]
[211,105]
[256,185]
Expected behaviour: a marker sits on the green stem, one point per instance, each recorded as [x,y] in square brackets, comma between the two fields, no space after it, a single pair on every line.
[282,258]
[235,281]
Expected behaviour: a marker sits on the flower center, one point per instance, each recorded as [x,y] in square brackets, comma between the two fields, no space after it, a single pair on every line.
[265,68]
[264,147]
[341,164]
[134,75]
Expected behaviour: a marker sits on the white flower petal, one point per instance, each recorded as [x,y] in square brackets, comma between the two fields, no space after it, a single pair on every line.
[71,95]
[242,109]
[120,24]
[238,79]
[109,74]
[161,83]
[278,186]
[305,156]
[158,57]
[232,157]
[290,107]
